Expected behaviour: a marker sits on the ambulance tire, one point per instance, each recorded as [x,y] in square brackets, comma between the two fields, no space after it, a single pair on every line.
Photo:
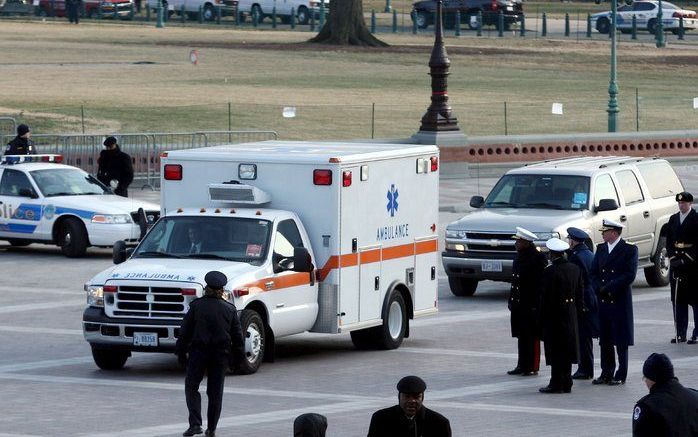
[17,242]
[462,287]
[72,238]
[255,341]
[392,332]
[110,359]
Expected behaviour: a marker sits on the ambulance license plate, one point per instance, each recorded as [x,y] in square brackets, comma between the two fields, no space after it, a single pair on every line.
[145,339]
[491,266]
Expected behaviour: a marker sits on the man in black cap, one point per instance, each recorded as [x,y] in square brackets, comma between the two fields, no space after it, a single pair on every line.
[582,257]
[113,164]
[212,336]
[682,249]
[409,418]
[612,274]
[22,144]
[670,409]
[310,425]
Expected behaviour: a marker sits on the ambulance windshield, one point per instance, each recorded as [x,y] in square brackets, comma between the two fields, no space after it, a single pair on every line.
[66,182]
[227,238]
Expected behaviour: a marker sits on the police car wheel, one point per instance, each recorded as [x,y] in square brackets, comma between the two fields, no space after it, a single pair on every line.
[72,238]
[19,242]
[107,359]
[657,275]
[462,286]
[254,335]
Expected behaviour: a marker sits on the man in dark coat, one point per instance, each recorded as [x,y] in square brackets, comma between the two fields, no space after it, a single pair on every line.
[612,274]
[561,303]
[73,10]
[409,418]
[670,409]
[113,164]
[212,336]
[682,249]
[524,302]
[581,256]
[22,144]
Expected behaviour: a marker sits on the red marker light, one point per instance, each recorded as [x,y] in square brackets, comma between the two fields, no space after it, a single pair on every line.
[173,172]
[188,291]
[346,178]
[322,177]
[110,288]
[244,291]
[434,163]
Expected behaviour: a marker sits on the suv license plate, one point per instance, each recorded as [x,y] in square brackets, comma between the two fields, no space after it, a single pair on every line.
[145,339]
[491,266]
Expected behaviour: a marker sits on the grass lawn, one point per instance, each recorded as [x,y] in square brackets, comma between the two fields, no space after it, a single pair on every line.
[138,78]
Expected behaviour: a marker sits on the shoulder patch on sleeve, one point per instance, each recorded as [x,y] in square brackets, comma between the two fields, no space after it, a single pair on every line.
[636,412]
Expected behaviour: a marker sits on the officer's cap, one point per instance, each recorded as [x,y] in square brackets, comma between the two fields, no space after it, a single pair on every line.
[609,225]
[109,141]
[556,245]
[658,368]
[215,280]
[577,234]
[22,129]
[411,384]
[684,197]
[524,234]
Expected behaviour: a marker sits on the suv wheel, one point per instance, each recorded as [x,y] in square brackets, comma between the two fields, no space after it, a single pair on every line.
[303,15]
[603,25]
[423,19]
[657,275]
[462,286]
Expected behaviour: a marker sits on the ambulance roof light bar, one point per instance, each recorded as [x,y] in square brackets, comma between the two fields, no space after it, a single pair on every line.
[22,159]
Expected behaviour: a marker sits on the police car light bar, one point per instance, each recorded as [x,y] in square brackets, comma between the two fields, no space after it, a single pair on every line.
[21,159]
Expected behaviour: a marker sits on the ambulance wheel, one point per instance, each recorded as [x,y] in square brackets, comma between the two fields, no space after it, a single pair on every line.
[657,275]
[110,359]
[254,334]
[391,334]
[462,286]
[72,238]
[19,242]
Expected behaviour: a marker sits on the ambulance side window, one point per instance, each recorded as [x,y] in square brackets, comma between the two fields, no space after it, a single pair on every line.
[13,181]
[287,237]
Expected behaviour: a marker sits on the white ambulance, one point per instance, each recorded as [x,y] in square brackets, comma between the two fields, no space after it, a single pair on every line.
[319,237]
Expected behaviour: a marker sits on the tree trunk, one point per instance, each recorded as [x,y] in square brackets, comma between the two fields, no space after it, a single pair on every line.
[346,26]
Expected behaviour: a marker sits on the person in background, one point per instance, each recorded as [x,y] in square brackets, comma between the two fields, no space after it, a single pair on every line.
[115,165]
[73,10]
[670,409]
[524,302]
[310,425]
[22,144]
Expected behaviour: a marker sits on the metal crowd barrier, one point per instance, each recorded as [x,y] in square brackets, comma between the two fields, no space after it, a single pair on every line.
[81,150]
[8,126]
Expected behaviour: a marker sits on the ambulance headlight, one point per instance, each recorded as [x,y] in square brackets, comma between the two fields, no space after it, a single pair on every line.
[247,171]
[452,233]
[95,295]
[112,219]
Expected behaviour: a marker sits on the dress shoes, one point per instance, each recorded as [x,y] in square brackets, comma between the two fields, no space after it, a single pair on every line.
[211,433]
[193,430]
[550,389]
[579,375]
[531,373]
[692,341]
[601,380]
[616,382]
[680,340]
[515,371]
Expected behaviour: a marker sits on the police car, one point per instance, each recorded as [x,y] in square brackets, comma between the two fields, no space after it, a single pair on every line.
[645,13]
[44,201]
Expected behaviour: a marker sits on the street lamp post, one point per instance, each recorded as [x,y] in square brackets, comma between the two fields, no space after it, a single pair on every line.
[612,85]
[660,27]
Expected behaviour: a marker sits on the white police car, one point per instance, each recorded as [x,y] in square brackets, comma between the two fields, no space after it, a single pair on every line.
[44,201]
[645,13]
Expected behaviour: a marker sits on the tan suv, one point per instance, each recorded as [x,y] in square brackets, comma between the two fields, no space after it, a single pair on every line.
[547,198]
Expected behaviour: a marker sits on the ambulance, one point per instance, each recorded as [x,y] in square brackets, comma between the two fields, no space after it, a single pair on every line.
[313,237]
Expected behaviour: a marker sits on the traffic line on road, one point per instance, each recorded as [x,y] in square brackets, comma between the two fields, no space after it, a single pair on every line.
[19,367]
[454,352]
[531,410]
[23,289]
[40,306]
[36,330]
[654,322]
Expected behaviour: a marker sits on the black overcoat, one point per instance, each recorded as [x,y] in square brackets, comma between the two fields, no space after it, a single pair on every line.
[524,300]
[392,422]
[669,410]
[583,257]
[561,303]
[682,248]
[115,165]
[612,277]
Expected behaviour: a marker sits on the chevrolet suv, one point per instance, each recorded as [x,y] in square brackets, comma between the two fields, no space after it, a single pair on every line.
[546,198]
[423,12]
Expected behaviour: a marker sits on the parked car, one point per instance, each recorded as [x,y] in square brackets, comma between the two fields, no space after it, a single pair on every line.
[16,7]
[303,9]
[645,13]
[209,9]
[423,12]
[56,8]
[549,197]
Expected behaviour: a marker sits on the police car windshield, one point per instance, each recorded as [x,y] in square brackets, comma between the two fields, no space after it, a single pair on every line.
[540,191]
[227,238]
[66,182]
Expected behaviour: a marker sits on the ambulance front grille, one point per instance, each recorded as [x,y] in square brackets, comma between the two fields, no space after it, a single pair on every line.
[149,302]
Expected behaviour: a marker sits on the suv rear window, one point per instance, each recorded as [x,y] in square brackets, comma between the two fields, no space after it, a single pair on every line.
[540,191]
[660,178]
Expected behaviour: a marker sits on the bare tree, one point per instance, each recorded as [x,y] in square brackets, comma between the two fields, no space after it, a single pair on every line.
[346,26]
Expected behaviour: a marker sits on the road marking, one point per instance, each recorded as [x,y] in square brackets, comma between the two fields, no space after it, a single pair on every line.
[23,289]
[454,352]
[34,330]
[41,306]
[532,410]
[18,367]
[654,322]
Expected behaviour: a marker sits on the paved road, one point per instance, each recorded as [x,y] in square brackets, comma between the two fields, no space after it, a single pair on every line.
[50,386]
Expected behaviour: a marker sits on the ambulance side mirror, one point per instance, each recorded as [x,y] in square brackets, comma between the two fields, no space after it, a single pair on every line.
[301,260]
[119,252]
[477,201]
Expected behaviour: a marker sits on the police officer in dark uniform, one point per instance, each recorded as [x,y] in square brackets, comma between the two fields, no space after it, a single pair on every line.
[212,336]
[22,144]
[409,418]
[524,302]
[581,256]
[113,164]
[682,249]
[612,274]
[561,303]
[670,409]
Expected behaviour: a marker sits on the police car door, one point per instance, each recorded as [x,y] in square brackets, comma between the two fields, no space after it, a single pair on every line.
[20,206]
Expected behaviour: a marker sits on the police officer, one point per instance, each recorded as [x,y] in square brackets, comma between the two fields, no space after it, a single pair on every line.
[612,274]
[581,256]
[670,409]
[682,249]
[22,144]
[524,301]
[561,302]
[410,418]
[113,164]
[212,336]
